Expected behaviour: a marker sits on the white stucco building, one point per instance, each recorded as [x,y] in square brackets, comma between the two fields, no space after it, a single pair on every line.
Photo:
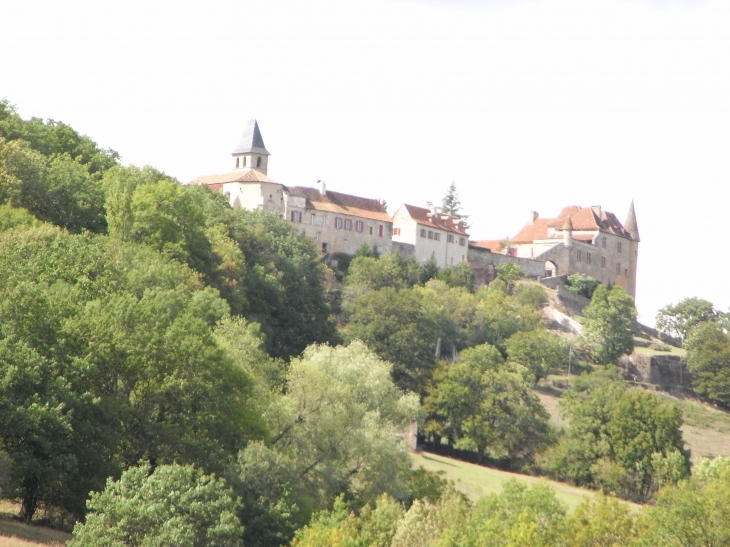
[431,233]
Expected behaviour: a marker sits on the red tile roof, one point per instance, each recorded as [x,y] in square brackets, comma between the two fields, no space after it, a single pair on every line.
[584,219]
[344,204]
[426,218]
[491,244]
[239,175]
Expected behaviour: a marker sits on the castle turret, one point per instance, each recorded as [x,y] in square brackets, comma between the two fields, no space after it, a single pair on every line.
[630,225]
[251,151]
[568,232]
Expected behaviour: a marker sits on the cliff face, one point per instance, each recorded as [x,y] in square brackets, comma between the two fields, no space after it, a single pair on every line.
[661,370]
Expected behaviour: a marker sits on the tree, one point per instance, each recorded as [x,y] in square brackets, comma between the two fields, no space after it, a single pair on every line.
[601,521]
[583,285]
[483,405]
[429,269]
[394,324]
[538,351]
[451,205]
[626,441]
[678,319]
[460,275]
[610,322]
[336,428]
[170,505]
[509,273]
[691,514]
[708,359]
[516,517]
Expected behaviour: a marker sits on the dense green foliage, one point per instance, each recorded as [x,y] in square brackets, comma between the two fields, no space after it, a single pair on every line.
[170,505]
[708,359]
[172,355]
[622,440]
[679,319]
[451,205]
[583,285]
[610,322]
[482,404]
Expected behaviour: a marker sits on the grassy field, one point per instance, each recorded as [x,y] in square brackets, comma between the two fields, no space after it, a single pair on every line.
[476,481]
[16,534]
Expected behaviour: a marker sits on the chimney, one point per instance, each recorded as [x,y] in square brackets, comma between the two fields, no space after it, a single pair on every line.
[533,216]
[597,210]
[431,207]
[322,187]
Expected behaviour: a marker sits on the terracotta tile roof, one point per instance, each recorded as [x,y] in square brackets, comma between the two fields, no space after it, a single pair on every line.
[491,244]
[583,219]
[239,175]
[344,204]
[426,218]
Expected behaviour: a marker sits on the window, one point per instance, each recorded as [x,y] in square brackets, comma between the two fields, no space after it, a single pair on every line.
[243,161]
[319,236]
[579,255]
[603,242]
[380,230]
[237,159]
[618,246]
[437,236]
[626,272]
[462,241]
[588,258]
[348,224]
[396,231]
[325,221]
[312,219]
[258,161]
[338,223]
[430,234]
[371,230]
[603,262]
[450,238]
[296,216]
[618,269]
[423,232]
[358,225]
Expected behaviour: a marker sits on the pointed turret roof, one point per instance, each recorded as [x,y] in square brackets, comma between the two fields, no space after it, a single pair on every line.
[251,141]
[568,224]
[630,225]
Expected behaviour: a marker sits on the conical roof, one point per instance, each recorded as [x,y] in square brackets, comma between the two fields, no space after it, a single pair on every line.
[251,141]
[568,224]
[630,225]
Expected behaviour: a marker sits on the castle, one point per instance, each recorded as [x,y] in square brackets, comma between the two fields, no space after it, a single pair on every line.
[583,240]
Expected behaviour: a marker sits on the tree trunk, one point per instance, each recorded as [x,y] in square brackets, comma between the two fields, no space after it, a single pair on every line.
[28,508]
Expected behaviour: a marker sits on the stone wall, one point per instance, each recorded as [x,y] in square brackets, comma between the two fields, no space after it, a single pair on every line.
[483,262]
[662,370]
[405,250]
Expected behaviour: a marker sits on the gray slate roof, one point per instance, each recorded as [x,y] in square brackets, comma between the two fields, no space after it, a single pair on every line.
[251,141]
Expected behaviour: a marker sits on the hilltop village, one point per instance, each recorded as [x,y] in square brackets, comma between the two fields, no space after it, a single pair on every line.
[586,240]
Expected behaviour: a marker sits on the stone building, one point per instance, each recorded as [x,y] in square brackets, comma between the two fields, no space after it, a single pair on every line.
[431,233]
[583,240]
[339,223]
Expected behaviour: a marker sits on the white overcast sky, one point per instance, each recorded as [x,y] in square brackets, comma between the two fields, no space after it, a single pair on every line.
[524,104]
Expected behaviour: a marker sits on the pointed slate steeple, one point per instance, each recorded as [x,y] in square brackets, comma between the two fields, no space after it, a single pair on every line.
[630,225]
[251,141]
[251,151]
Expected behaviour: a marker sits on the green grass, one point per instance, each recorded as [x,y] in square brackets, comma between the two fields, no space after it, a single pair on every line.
[476,481]
[672,351]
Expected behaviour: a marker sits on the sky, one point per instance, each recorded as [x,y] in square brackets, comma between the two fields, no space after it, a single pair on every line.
[524,104]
